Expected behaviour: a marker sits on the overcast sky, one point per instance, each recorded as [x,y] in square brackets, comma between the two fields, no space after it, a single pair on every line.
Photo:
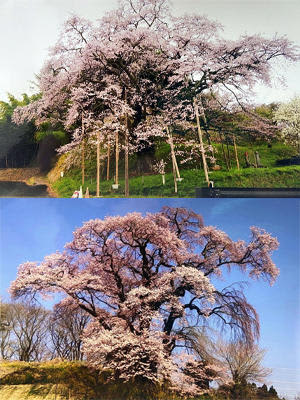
[30,229]
[29,27]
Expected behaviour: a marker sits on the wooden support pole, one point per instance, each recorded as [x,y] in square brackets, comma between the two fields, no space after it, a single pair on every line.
[174,176]
[108,161]
[228,152]
[126,165]
[201,141]
[223,150]
[206,130]
[82,152]
[236,154]
[117,159]
[173,153]
[98,164]
[126,151]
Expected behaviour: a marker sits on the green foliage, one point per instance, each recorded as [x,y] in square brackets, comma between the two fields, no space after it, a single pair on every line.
[267,110]
[7,108]
[59,135]
[17,146]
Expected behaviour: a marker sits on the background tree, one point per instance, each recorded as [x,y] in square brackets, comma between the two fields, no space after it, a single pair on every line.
[287,117]
[67,326]
[17,143]
[6,350]
[29,329]
[243,362]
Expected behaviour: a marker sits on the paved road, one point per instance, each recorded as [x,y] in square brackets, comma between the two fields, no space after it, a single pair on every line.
[20,189]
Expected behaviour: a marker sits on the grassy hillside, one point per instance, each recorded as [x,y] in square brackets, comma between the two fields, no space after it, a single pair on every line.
[69,380]
[57,380]
[150,185]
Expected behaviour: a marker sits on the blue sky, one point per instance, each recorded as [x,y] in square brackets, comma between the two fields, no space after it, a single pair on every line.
[33,228]
[30,27]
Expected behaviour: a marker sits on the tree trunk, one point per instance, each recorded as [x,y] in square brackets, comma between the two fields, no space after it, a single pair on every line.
[201,142]
[98,164]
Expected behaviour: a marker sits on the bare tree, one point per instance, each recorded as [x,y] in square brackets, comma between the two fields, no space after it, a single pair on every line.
[243,361]
[6,350]
[29,327]
[66,330]
[239,361]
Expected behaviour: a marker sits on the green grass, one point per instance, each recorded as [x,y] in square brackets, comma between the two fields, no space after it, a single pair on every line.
[57,380]
[148,185]
[151,185]
[72,380]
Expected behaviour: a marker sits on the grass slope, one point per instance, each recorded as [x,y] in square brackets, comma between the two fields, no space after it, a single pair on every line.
[151,185]
[270,176]
[55,380]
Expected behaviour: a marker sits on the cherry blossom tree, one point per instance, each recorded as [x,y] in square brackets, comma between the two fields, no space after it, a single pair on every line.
[287,117]
[143,69]
[142,279]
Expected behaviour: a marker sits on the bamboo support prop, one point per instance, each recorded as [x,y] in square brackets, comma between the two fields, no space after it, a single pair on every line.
[126,165]
[82,153]
[228,152]
[236,154]
[255,161]
[201,142]
[223,150]
[206,130]
[98,164]
[126,151]
[117,159]
[173,154]
[108,161]
[174,176]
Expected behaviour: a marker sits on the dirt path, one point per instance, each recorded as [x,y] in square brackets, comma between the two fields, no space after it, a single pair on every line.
[31,176]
